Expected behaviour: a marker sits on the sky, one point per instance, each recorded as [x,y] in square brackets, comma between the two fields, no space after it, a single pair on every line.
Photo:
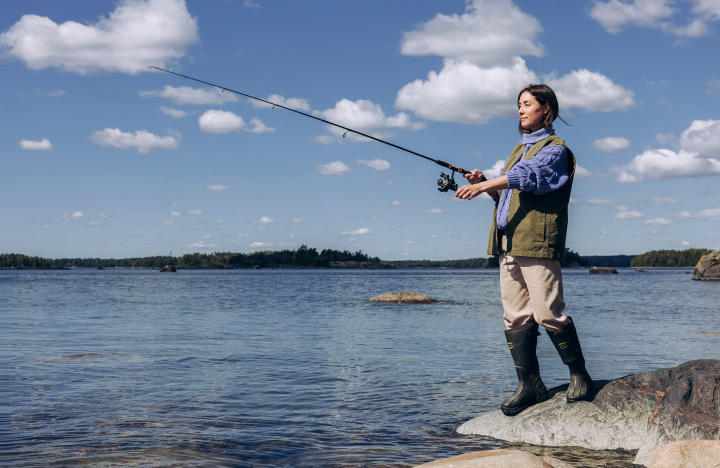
[102,156]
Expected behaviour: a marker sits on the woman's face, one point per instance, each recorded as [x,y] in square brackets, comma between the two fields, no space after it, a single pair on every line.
[531,113]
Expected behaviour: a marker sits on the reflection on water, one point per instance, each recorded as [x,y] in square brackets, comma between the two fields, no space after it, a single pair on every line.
[297,368]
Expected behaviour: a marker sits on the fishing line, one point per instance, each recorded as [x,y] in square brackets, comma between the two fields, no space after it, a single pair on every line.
[445,182]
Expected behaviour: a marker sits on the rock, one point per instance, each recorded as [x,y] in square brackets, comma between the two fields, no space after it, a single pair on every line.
[708,268]
[687,454]
[404,297]
[602,271]
[503,458]
[168,268]
[640,412]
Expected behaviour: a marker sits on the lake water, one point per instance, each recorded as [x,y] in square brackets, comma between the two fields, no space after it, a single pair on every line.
[297,368]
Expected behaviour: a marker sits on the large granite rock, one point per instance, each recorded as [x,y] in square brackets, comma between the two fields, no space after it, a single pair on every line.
[502,458]
[640,412]
[708,268]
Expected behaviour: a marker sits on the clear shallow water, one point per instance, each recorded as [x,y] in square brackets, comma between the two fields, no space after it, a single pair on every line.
[295,367]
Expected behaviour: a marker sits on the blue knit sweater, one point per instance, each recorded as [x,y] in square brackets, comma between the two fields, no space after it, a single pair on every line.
[545,172]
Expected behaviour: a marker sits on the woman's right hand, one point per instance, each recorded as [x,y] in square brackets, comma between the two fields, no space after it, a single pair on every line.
[474,176]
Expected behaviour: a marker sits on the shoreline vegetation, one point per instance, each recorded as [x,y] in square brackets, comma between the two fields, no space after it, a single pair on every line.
[307,257]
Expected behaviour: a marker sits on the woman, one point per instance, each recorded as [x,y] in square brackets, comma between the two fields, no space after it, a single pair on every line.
[528,233]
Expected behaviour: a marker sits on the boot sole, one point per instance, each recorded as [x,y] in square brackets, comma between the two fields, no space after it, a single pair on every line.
[515,410]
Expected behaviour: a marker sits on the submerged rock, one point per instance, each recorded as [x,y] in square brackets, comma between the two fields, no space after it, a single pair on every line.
[687,454]
[404,297]
[603,271]
[640,412]
[503,458]
[708,268]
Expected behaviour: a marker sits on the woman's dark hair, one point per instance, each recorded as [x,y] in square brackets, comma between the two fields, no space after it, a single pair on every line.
[544,95]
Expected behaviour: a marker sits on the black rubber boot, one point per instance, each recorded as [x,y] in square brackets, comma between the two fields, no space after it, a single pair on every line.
[531,389]
[568,347]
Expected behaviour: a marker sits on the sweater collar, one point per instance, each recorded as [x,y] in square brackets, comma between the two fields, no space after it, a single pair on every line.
[532,138]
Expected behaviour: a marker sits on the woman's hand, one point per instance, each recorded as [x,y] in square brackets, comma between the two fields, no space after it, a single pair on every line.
[470,191]
[474,177]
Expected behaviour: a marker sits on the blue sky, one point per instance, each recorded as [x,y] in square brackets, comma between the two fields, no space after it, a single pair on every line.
[102,157]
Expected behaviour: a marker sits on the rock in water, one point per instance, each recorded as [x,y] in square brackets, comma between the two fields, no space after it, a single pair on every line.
[708,268]
[502,458]
[687,454]
[404,297]
[603,271]
[640,412]
[168,268]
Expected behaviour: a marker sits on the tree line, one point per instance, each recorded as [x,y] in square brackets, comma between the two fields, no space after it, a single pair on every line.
[307,257]
[303,257]
[669,258]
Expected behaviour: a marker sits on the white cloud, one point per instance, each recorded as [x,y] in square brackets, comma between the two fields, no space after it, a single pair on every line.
[399,203]
[260,245]
[708,213]
[42,145]
[194,212]
[434,211]
[591,91]
[377,164]
[709,9]
[333,168]
[297,221]
[581,172]
[611,144]
[291,103]
[658,222]
[214,188]
[698,156]
[662,201]
[624,213]
[176,113]
[77,215]
[264,220]
[363,116]
[136,35]
[259,127]
[142,140]
[175,213]
[356,232]
[486,34]
[665,164]
[466,93]
[601,201]
[615,14]
[184,95]
[218,121]
[201,245]
[495,170]
[703,138]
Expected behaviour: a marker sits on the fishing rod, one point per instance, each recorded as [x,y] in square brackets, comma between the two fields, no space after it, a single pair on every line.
[445,182]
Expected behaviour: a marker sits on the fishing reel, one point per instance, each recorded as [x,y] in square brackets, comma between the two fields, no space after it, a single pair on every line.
[447,182]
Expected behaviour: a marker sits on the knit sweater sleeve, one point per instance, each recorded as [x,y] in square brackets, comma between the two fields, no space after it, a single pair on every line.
[545,172]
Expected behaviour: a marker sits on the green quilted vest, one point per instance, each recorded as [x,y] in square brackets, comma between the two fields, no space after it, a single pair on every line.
[537,224]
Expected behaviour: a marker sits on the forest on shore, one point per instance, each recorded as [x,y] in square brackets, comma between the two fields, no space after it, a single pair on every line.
[308,257]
